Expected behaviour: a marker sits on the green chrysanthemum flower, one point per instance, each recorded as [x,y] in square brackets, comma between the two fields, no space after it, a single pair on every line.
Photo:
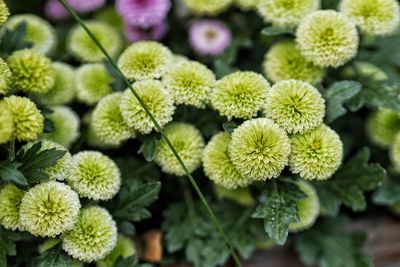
[246,4]
[60,169]
[63,90]
[5,77]
[189,144]
[66,126]
[308,208]
[28,121]
[124,249]
[327,38]
[364,69]
[38,32]
[10,201]
[285,62]
[316,154]
[82,47]
[375,17]
[296,106]
[190,83]
[145,60]
[49,209]
[259,149]
[287,13]
[4,13]
[110,16]
[382,127]
[207,7]
[31,71]
[93,236]
[240,94]
[157,99]
[241,196]
[6,122]
[395,151]
[218,166]
[94,175]
[93,82]
[107,121]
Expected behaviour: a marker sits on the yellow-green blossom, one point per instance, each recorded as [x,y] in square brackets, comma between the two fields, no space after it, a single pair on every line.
[382,126]
[10,201]
[125,248]
[6,122]
[395,151]
[207,7]
[4,13]
[5,77]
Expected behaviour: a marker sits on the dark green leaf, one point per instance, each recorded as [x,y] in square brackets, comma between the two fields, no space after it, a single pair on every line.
[149,147]
[118,83]
[48,126]
[276,30]
[13,40]
[7,245]
[54,257]
[126,227]
[9,173]
[229,126]
[388,193]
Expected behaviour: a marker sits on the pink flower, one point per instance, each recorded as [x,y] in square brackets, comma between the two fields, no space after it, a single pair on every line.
[85,6]
[55,10]
[156,32]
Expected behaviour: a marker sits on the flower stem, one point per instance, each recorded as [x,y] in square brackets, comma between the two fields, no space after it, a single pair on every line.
[11,150]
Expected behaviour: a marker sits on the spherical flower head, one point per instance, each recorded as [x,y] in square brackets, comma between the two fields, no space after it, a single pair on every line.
[209,37]
[94,175]
[107,121]
[59,170]
[295,105]
[187,141]
[87,5]
[141,13]
[286,13]
[207,7]
[31,71]
[259,149]
[364,69]
[66,126]
[93,236]
[93,82]
[374,17]
[27,120]
[241,196]
[54,10]
[4,13]
[38,32]
[157,99]
[6,122]
[395,151]
[10,201]
[317,154]
[110,15]
[82,47]
[49,209]
[145,60]
[382,127]
[218,166]
[5,77]
[308,208]
[327,38]
[240,94]
[124,249]
[190,83]
[136,34]
[246,4]
[285,62]
[63,90]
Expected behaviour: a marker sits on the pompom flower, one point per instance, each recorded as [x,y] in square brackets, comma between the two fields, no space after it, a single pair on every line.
[38,32]
[285,62]
[259,149]
[209,37]
[295,105]
[218,166]
[207,7]
[27,120]
[63,90]
[374,17]
[156,97]
[316,154]
[124,249]
[94,175]
[10,201]
[286,13]
[189,144]
[382,127]
[107,121]
[66,126]
[4,13]
[190,83]
[240,94]
[327,38]
[156,32]
[141,13]
[145,60]
[82,47]
[395,151]
[31,71]
[87,5]
[5,77]
[54,10]
[6,122]
[308,208]
[93,82]
[49,209]
[246,4]
[93,236]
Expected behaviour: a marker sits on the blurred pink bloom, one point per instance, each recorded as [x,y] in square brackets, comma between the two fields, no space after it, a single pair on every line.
[156,32]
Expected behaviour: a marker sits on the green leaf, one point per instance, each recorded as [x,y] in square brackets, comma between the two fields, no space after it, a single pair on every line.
[276,30]
[388,193]
[9,173]
[336,96]
[229,126]
[118,83]
[13,40]
[54,257]
[278,208]
[149,147]
[7,245]
[348,184]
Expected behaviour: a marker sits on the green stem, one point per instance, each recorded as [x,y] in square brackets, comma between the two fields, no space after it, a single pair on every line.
[244,217]
[158,127]
[11,150]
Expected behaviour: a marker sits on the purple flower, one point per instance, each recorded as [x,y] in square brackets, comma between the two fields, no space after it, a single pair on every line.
[85,6]
[55,11]
[209,37]
[143,13]
[156,32]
